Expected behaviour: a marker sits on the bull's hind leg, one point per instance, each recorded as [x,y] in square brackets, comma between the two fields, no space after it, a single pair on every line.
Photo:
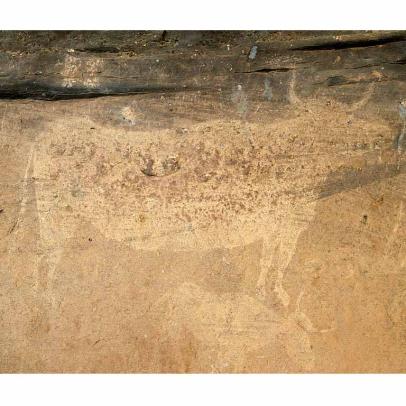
[56,225]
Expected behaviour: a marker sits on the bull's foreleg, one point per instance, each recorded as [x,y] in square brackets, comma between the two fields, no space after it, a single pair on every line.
[271,272]
[270,280]
[278,250]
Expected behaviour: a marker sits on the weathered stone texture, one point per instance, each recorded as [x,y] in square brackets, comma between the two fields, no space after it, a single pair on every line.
[202,202]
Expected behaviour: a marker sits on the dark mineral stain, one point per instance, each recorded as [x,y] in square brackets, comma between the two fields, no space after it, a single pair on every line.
[148,169]
[336,80]
[160,168]
[350,178]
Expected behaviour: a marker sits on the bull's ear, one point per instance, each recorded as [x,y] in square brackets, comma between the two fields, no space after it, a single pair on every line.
[402,109]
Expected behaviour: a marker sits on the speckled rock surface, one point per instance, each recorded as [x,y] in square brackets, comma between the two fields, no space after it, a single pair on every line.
[203,202]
